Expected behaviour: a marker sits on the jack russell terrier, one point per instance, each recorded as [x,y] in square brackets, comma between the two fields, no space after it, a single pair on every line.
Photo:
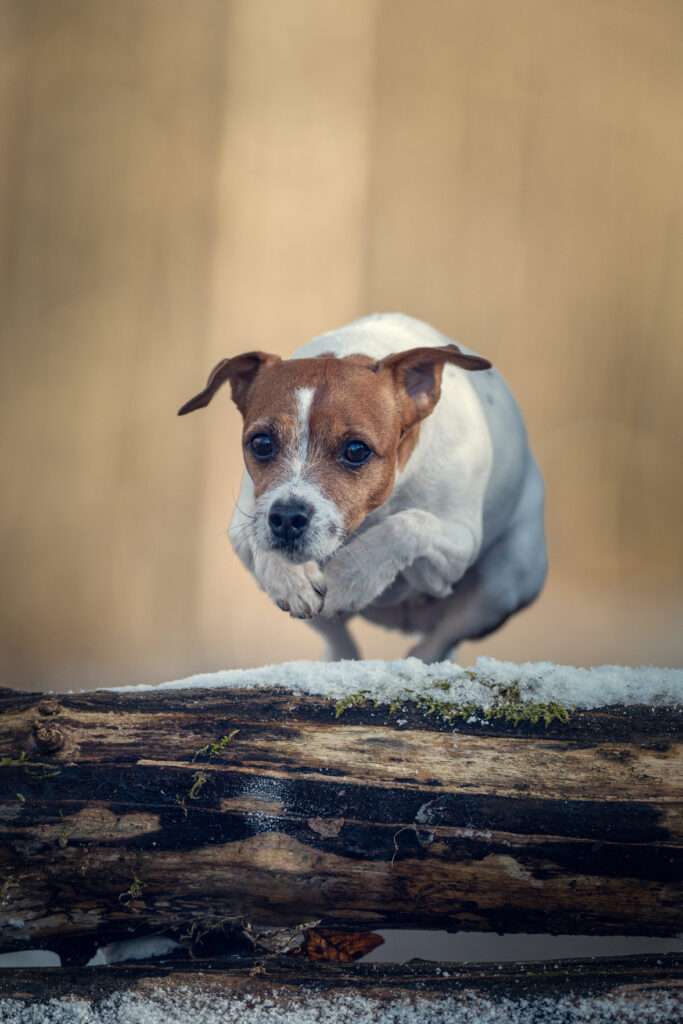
[385,479]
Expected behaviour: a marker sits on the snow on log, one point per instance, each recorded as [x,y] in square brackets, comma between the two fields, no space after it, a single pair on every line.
[459,799]
[281,991]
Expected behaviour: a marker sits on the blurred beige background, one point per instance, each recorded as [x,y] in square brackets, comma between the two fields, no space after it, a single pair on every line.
[183,181]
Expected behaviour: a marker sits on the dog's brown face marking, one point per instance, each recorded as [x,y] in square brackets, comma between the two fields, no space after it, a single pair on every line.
[313,409]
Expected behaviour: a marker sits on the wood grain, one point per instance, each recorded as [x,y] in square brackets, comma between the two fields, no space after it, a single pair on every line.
[118,820]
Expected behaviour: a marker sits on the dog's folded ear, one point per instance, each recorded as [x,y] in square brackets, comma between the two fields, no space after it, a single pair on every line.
[240,371]
[417,374]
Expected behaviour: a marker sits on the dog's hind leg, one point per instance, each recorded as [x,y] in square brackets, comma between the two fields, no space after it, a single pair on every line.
[505,579]
[339,644]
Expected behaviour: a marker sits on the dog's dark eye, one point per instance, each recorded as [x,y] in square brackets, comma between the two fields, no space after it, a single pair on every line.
[263,446]
[356,453]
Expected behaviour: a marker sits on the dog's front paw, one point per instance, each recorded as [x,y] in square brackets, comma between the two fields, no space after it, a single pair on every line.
[346,586]
[297,589]
[303,592]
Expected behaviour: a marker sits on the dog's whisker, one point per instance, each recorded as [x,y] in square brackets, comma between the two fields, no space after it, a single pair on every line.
[247,515]
[243,531]
[354,535]
[346,545]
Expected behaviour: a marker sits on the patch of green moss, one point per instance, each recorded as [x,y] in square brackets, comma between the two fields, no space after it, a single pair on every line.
[36,771]
[134,892]
[198,780]
[507,703]
[209,751]
[7,883]
[352,701]
[8,761]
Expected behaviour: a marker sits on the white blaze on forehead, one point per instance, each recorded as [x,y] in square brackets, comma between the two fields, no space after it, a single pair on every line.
[294,484]
[304,401]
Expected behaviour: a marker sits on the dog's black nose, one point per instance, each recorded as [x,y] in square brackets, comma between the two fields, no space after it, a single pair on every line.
[288,520]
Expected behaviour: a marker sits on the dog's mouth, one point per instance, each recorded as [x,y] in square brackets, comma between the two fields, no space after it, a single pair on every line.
[294,551]
[299,552]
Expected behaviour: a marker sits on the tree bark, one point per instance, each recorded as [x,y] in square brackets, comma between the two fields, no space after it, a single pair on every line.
[126,813]
[650,987]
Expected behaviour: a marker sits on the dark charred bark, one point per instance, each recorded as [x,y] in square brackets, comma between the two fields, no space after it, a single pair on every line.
[130,813]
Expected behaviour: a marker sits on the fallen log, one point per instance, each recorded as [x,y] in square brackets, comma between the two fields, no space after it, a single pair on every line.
[286,990]
[126,813]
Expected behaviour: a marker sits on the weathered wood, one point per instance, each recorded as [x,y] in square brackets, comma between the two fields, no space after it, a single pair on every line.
[116,824]
[643,988]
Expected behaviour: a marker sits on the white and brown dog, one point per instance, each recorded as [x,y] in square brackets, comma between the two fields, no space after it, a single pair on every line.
[385,480]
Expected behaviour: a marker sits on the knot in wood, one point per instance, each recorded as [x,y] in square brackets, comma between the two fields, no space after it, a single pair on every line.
[48,739]
[49,706]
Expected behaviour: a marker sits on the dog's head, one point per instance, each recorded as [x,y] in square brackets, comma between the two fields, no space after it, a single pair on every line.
[323,438]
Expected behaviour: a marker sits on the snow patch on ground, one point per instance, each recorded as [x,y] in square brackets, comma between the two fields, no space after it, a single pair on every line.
[29,958]
[387,680]
[213,1008]
[145,948]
